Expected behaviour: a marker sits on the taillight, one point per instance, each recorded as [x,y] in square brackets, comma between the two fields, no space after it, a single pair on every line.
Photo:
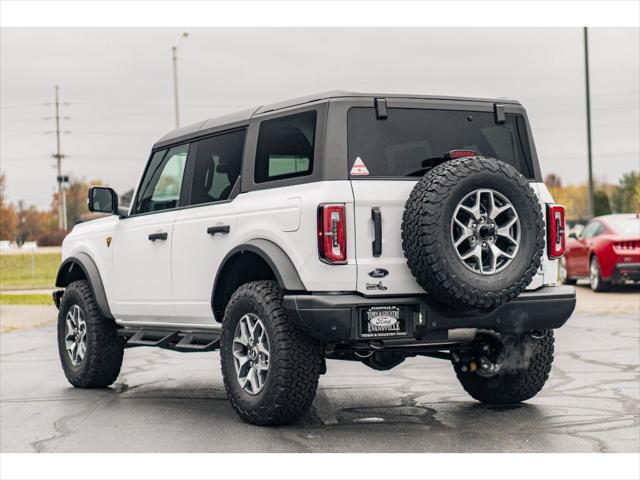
[451,154]
[555,228]
[627,245]
[332,235]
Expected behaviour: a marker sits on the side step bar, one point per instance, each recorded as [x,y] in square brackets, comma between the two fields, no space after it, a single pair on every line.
[170,339]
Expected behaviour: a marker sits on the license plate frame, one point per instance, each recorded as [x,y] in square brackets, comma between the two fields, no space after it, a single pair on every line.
[384,321]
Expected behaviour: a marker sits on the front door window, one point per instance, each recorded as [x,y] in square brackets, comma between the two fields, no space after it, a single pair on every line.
[162,183]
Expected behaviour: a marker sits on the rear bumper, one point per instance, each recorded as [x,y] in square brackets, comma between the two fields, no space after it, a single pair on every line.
[335,318]
[624,272]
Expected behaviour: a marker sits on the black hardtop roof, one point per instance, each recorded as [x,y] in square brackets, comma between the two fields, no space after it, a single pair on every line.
[245,115]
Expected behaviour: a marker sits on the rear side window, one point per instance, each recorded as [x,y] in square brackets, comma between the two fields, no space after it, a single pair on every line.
[285,147]
[409,142]
[217,167]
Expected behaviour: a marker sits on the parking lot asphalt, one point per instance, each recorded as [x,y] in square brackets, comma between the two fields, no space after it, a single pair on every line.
[171,402]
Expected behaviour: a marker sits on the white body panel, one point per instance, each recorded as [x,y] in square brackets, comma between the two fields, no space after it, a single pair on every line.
[91,238]
[286,216]
[390,196]
[142,268]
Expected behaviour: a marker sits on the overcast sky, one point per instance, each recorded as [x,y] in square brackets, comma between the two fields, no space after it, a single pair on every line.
[119,88]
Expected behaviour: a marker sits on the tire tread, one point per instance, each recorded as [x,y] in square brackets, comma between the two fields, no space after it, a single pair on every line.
[295,361]
[105,350]
[513,386]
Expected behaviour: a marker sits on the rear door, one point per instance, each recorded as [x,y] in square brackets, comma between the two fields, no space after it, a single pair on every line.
[388,155]
[204,233]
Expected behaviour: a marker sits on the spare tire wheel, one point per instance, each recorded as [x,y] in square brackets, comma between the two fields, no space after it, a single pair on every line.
[473,232]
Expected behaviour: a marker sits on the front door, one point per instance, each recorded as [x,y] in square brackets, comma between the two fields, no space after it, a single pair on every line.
[142,242]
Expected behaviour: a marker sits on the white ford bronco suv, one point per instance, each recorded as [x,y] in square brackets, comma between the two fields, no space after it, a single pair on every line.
[346,226]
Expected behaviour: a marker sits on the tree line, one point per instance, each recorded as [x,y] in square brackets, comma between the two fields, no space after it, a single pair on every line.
[21,223]
[607,198]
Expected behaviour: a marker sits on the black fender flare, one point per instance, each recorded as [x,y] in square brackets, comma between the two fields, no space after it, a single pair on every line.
[67,273]
[274,256]
[279,262]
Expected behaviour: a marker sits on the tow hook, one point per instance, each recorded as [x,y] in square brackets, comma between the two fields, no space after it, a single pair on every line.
[467,362]
[479,362]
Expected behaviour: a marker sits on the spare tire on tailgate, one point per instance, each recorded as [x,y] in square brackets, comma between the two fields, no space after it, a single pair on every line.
[473,232]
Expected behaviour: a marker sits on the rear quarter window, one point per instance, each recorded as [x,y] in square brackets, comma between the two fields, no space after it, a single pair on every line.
[409,142]
[285,147]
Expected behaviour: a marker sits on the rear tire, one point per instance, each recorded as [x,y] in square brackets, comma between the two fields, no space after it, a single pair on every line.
[595,277]
[285,392]
[88,344]
[523,374]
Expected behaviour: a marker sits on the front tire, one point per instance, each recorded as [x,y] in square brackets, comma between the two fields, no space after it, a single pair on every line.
[523,373]
[88,344]
[270,368]
[595,277]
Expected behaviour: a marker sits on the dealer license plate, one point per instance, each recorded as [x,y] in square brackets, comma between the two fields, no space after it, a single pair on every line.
[383,321]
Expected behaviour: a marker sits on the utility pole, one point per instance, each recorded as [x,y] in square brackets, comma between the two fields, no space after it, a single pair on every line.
[174,57]
[588,95]
[62,200]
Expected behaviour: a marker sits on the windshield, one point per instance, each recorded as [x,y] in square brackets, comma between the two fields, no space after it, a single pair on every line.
[409,142]
[626,225]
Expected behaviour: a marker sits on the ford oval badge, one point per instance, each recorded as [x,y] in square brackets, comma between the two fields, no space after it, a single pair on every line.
[378,273]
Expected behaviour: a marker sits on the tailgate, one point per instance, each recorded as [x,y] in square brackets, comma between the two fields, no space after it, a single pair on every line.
[386,273]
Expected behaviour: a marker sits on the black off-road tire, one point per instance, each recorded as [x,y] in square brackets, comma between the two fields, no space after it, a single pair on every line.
[426,233]
[523,374]
[294,365]
[104,348]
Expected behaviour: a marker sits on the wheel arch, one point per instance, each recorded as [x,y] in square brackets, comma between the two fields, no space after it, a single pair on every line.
[258,259]
[82,267]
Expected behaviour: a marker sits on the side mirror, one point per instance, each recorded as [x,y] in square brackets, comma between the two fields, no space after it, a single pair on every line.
[573,235]
[103,200]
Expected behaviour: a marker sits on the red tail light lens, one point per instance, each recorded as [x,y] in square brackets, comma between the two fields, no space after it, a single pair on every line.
[555,228]
[332,235]
[627,245]
[451,154]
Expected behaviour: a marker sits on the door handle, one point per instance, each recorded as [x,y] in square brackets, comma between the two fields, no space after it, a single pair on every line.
[218,229]
[376,245]
[158,236]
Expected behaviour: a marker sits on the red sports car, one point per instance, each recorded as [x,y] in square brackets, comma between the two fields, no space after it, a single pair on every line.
[607,252]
